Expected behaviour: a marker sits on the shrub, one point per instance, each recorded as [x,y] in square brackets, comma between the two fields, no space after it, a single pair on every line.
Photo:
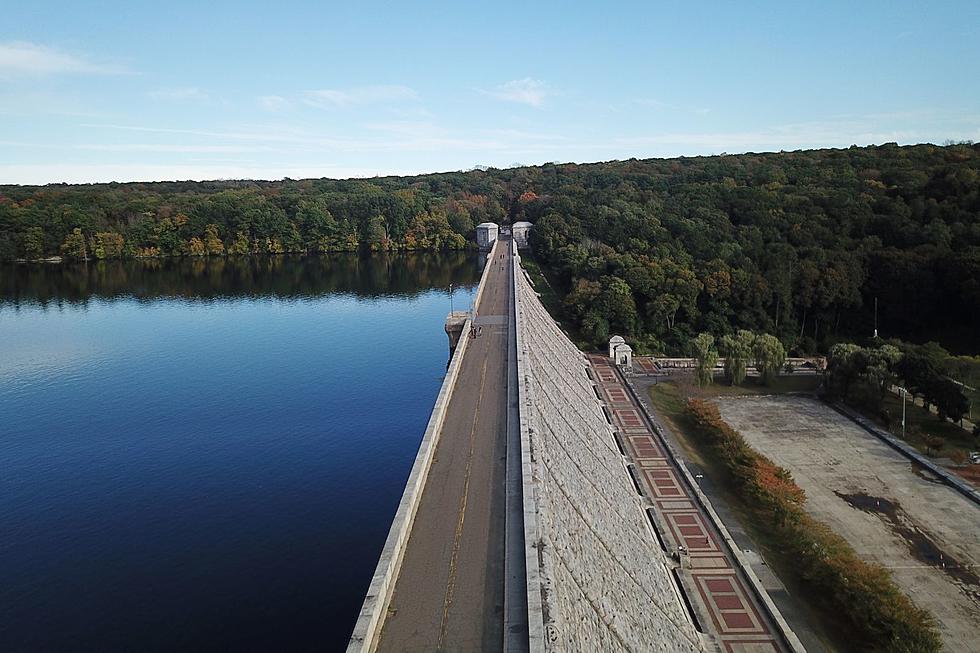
[864,593]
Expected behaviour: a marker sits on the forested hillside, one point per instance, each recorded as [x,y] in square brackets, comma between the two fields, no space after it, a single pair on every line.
[797,243]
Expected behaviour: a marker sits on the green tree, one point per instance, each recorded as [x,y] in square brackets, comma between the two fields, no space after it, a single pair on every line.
[33,243]
[737,350]
[769,357]
[842,368]
[240,246]
[879,367]
[949,399]
[705,356]
[378,237]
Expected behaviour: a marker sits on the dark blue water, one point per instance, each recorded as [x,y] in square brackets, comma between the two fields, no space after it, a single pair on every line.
[208,459]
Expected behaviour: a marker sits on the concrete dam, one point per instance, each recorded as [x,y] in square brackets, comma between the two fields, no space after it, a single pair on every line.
[538,517]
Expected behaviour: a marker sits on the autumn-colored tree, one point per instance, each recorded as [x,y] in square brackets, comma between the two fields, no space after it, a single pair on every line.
[147,252]
[272,246]
[196,247]
[74,246]
[213,245]
[107,244]
[240,246]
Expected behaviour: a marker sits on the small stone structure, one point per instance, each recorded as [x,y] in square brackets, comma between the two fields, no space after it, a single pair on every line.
[486,234]
[614,342]
[519,231]
[455,322]
[624,357]
[620,353]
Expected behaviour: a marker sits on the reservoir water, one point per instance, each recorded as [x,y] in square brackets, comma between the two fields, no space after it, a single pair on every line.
[205,455]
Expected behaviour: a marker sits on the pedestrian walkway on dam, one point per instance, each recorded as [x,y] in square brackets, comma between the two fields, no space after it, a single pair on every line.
[449,594]
[710,577]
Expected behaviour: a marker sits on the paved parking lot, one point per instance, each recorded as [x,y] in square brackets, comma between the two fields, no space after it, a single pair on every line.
[890,510]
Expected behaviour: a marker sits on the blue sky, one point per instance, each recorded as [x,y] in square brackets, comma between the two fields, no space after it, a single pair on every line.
[102,91]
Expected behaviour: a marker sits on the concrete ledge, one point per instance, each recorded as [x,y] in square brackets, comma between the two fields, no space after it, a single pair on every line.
[483,279]
[532,537]
[364,639]
[515,558]
[907,450]
[785,631]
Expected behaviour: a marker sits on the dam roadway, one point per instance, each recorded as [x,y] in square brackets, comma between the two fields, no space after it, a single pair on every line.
[449,593]
[527,524]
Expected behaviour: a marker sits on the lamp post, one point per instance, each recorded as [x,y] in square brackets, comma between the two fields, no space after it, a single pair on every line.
[450,297]
[905,394]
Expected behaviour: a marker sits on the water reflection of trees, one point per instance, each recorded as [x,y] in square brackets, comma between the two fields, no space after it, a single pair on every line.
[400,274]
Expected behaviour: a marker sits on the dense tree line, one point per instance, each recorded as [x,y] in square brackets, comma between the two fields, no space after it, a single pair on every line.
[863,376]
[232,218]
[796,244]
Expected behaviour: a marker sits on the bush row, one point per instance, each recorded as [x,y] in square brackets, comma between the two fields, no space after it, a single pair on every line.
[863,593]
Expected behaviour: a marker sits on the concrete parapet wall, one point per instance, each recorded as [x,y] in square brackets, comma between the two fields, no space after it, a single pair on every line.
[594,567]
[536,632]
[815,362]
[371,618]
[483,277]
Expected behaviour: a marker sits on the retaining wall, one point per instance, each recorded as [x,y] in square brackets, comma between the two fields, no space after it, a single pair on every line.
[907,450]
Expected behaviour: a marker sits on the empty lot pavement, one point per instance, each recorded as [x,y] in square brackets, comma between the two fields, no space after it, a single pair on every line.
[891,511]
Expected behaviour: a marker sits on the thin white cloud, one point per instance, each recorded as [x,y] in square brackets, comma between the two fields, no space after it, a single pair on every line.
[22,58]
[383,136]
[17,100]
[182,94]
[273,102]
[172,148]
[656,104]
[102,173]
[531,92]
[670,106]
[521,135]
[841,133]
[361,95]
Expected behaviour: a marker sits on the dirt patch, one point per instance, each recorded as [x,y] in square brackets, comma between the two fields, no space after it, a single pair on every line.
[922,547]
[924,473]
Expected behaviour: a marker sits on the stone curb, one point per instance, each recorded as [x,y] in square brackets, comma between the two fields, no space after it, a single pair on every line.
[364,639]
[785,631]
[483,277]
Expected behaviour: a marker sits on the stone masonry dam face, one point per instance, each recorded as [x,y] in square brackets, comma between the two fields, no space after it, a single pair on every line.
[594,568]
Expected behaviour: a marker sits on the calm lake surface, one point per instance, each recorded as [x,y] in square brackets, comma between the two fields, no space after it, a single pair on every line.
[207,454]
